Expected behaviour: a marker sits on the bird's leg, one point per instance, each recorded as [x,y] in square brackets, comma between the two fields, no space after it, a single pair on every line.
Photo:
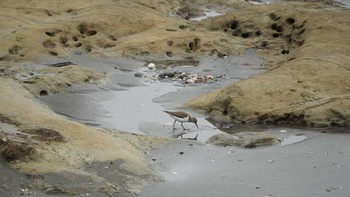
[174,125]
[182,124]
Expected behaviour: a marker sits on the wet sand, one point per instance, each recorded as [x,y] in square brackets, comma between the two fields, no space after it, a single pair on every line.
[317,166]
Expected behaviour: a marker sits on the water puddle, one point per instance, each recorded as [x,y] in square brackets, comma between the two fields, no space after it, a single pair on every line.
[135,97]
[208,14]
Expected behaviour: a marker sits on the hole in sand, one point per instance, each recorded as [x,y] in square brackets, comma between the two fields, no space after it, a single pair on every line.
[169,53]
[192,46]
[108,45]
[290,21]
[274,26]
[53,53]
[91,33]
[88,48]
[279,29]
[82,28]
[285,52]
[234,24]
[75,38]
[170,43]
[274,16]
[263,44]
[275,35]
[258,33]
[15,50]
[183,27]
[53,33]
[78,44]
[245,35]
[49,44]
[63,40]
[43,93]
[112,38]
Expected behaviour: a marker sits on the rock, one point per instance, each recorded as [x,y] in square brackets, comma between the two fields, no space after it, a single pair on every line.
[151,66]
[138,75]
[244,139]
[189,81]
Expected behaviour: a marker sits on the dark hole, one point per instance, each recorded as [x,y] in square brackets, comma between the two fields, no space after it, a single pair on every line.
[275,35]
[169,53]
[274,26]
[285,52]
[182,27]
[263,44]
[225,30]
[88,49]
[75,38]
[234,24]
[91,33]
[279,29]
[50,33]
[53,53]
[63,40]
[170,43]
[112,38]
[290,21]
[49,44]
[43,93]
[82,28]
[191,45]
[258,33]
[245,35]
[78,44]
[300,43]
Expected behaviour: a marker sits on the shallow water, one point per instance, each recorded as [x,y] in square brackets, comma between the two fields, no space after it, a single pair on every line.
[136,104]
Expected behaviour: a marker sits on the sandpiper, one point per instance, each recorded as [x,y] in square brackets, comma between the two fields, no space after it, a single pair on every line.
[181,117]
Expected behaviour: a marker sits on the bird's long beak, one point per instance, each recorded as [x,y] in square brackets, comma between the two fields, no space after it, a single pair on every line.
[197,125]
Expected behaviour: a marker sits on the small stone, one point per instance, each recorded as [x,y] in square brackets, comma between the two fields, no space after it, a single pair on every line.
[138,75]
[181,153]
[151,66]
[189,81]
[210,77]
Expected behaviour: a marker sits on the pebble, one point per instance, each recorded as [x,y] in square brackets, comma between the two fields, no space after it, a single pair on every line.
[151,66]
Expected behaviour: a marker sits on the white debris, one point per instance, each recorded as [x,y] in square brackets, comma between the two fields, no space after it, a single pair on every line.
[283,131]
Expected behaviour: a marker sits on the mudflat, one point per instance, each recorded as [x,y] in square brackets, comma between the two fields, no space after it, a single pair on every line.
[73,74]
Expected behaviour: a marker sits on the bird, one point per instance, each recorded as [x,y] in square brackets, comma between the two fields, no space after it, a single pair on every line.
[181,117]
